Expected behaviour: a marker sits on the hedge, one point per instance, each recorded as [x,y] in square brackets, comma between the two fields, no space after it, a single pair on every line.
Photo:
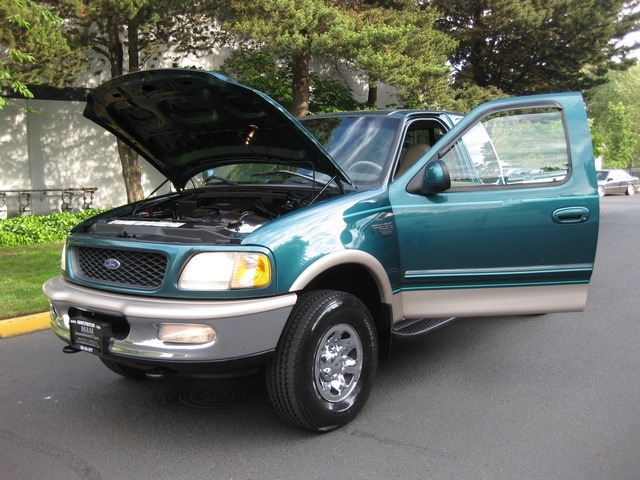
[30,230]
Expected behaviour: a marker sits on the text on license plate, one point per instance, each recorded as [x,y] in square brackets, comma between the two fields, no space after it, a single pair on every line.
[89,336]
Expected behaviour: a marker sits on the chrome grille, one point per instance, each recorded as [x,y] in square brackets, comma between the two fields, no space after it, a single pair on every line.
[131,268]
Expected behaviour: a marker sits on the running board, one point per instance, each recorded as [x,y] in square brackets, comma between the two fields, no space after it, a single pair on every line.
[410,328]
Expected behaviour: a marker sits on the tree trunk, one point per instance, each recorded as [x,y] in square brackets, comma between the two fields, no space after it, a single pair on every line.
[372,97]
[477,59]
[131,172]
[301,85]
[134,46]
[116,53]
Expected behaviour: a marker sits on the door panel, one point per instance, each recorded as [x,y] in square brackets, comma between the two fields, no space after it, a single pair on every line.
[522,213]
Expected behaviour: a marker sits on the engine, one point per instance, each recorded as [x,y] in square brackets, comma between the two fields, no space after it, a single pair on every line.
[201,216]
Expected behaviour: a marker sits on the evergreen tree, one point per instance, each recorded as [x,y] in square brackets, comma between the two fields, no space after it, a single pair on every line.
[400,46]
[35,52]
[526,46]
[295,30]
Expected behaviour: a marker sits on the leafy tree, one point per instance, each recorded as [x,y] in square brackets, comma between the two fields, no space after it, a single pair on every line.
[597,139]
[614,108]
[34,51]
[622,137]
[263,72]
[330,95]
[526,46]
[465,97]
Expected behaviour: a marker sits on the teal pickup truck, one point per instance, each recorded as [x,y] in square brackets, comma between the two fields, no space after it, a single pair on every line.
[304,247]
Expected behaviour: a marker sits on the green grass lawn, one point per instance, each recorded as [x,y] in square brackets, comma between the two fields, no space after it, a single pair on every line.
[23,270]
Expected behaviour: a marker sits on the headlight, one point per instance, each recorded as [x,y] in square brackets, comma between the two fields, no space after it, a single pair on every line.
[63,258]
[225,271]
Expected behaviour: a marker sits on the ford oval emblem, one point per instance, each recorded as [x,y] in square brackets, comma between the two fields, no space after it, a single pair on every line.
[112,264]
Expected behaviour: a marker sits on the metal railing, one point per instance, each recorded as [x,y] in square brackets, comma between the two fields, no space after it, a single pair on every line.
[66,195]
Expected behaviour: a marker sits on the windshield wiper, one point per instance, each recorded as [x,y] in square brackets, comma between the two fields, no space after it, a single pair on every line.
[222,179]
[295,174]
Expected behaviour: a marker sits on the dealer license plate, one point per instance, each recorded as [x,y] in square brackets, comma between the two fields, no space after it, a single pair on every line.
[90,335]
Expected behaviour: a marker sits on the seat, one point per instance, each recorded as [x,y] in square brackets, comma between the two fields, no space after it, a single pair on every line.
[410,156]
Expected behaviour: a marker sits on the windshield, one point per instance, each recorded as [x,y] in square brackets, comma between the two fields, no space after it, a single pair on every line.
[602,174]
[361,145]
[261,173]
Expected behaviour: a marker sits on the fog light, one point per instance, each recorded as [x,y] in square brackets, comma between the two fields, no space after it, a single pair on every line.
[186,333]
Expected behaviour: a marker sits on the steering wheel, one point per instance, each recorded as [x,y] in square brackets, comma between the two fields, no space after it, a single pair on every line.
[365,165]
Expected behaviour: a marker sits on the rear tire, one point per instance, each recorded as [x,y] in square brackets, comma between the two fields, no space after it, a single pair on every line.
[630,189]
[124,370]
[325,363]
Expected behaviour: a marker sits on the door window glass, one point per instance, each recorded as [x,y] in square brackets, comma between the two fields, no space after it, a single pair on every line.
[515,147]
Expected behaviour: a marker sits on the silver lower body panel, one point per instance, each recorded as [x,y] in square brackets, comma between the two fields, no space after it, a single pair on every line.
[243,328]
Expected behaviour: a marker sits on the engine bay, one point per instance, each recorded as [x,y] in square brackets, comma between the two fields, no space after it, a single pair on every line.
[205,215]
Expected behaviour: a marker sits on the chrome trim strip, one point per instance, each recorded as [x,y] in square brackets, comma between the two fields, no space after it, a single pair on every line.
[499,271]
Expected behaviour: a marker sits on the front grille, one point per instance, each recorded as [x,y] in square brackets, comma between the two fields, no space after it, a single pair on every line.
[130,268]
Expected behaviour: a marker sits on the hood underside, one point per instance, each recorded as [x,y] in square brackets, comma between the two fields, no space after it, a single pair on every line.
[186,121]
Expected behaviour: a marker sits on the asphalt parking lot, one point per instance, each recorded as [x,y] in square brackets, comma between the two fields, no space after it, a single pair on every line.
[538,397]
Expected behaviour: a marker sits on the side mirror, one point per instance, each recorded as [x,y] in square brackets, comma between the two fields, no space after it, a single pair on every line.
[436,178]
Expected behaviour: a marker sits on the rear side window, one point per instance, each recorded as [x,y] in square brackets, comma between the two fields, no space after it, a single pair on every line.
[515,147]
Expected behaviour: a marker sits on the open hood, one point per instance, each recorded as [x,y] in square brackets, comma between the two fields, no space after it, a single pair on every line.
[187,121]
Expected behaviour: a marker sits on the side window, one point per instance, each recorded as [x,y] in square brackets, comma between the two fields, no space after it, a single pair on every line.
[511,148]
[418,139]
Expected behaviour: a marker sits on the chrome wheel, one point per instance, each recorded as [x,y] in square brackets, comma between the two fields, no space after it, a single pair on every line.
[326,360]
[338,363]
[631,189]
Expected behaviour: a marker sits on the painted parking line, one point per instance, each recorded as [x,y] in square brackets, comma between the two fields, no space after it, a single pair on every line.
[22,325]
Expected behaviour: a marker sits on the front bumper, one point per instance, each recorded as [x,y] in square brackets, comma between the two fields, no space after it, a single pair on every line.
[244,328]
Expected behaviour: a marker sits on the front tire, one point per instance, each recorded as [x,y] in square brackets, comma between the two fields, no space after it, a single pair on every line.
[600,191]
[326,361]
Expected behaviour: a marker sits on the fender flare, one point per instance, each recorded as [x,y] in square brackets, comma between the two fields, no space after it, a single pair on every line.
[357,257]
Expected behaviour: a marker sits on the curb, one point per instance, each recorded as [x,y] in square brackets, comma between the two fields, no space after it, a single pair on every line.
[21,325]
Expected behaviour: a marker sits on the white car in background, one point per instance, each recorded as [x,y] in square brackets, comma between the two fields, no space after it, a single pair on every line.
[616,181]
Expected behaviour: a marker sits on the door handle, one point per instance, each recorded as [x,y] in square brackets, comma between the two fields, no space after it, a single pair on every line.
[571,215]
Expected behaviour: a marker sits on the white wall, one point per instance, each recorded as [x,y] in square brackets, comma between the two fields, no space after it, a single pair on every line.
[57,148]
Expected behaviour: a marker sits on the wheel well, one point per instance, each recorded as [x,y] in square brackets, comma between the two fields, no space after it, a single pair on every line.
[356,280]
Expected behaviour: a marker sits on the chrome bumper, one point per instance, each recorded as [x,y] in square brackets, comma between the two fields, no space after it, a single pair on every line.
[243,327]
